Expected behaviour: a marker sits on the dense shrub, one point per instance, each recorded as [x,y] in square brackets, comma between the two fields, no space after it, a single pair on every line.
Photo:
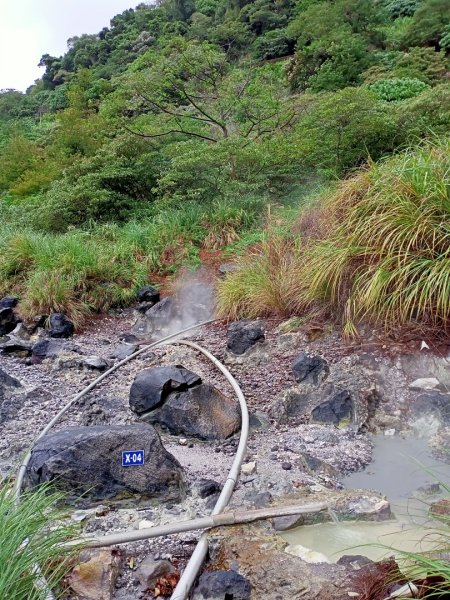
[391,90]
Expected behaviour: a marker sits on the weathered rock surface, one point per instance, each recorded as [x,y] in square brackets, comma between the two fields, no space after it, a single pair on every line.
[222,585]
[60,326]
[310,369]
[152,386]
[200,411]
[244,334]
[88,460]
[150,570]
[339,408]
[95,576]
[350,390]
[272,574]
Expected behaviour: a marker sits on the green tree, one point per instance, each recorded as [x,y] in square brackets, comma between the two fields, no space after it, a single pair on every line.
[429,23]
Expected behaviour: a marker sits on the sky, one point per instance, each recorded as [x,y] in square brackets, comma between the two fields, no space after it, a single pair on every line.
[31,28]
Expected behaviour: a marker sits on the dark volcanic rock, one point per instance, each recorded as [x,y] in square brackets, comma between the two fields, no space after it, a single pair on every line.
[148,293]
[310,369]
[8,381]
[151,386]
[201,411]
[10,401]
[222,585]
[336,409]
[244,334]
[9,302]
[207,487]
[47,348]
[17,341]
[88,460]
[8,320]
[60,326]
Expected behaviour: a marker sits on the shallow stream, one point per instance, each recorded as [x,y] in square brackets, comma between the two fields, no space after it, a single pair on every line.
[400,467]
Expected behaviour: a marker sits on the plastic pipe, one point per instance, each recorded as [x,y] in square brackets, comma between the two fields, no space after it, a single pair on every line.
[195,562]
[220,520]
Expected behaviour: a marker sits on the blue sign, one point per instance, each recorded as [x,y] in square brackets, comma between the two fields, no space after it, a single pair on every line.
[133,458]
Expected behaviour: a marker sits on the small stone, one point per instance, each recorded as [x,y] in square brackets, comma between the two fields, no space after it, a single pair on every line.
[426,383]
[207,487]
[389,432]
[95,363]
[145,524]
[248,468]
[182,442]
[286,466]
[244,334]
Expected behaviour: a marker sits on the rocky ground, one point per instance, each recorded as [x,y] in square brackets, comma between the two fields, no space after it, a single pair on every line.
[313,398]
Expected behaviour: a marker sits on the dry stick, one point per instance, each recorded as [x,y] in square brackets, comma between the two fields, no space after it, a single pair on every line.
[230,518]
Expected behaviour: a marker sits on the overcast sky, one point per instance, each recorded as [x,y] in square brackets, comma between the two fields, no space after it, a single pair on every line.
[31,28]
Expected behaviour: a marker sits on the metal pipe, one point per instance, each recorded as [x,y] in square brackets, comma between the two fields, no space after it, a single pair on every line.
[195,562]
[219,520]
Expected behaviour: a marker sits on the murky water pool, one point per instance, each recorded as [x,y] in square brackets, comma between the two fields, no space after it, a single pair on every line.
[399,468]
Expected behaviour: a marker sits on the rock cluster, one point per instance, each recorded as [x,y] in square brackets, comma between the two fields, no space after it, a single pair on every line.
[178,400]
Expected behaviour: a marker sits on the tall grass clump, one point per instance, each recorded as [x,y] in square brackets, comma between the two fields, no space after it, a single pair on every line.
[266,280]
[387,255]
[73,273]
[31,534]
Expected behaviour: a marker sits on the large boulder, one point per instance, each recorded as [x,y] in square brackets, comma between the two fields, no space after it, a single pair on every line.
[88,461]
[310,369]
[60,326]
[151,386]
[8,320]
[200,411]
[242,335]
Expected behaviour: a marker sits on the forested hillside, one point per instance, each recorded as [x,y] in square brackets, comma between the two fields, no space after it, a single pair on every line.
[170,131]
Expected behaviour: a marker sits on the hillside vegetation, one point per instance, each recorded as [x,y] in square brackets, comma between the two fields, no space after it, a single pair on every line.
[170,131]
